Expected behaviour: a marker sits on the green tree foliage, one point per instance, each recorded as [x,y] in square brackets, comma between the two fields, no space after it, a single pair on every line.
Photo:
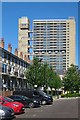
[33,73]
[71,80]
[55,81]
[42,75]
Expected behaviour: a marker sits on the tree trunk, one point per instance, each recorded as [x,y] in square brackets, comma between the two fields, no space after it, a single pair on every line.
[51,92]
[55,91]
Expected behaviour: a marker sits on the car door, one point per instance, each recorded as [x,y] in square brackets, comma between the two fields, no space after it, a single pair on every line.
[1,101]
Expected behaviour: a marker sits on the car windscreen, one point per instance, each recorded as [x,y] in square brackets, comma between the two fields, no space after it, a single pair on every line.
[8,99]
[43,93]
[24,97]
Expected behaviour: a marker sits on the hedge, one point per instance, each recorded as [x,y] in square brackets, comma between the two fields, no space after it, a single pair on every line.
[70,95]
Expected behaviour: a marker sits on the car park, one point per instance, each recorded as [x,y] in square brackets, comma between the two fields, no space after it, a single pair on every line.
[28,102]
[6,113]
[16,106]
[36,94]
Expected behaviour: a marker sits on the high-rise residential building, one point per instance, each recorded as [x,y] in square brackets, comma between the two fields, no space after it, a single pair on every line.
[54,42]
[24,37]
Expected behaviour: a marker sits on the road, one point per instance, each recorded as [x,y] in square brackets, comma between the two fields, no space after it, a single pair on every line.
[61,108]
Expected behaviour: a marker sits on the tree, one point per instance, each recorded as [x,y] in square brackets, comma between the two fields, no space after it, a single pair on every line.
[71,80]
[42,75]
[55,81]
[34,73]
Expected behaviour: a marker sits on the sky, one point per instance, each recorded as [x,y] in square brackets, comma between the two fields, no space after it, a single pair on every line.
[12,11]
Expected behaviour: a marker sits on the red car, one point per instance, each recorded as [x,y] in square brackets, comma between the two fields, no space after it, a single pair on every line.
[16,106]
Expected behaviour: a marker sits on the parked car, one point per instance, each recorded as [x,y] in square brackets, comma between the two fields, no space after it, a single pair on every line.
[32,93]
[44,97]
[16,106]
[28,102]
[6,113]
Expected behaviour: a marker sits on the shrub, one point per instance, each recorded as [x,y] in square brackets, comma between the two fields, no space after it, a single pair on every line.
[70,95]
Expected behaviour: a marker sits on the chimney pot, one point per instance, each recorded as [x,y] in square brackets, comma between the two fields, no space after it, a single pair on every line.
[9,47]
[25,58]
[21,55]
[2,43]
[16,52]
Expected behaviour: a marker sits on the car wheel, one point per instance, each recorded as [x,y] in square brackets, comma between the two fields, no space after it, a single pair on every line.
[31,105]
[44,102]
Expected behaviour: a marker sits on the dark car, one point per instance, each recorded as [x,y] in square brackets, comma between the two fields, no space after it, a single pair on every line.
[36,94]
[6,113]
[28,102]
[44,97]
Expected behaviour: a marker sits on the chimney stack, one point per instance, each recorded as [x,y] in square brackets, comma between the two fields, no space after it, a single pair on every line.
[21,55]
[9,48]
[2,43]
[28,59]
[16,52]
[25,58]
